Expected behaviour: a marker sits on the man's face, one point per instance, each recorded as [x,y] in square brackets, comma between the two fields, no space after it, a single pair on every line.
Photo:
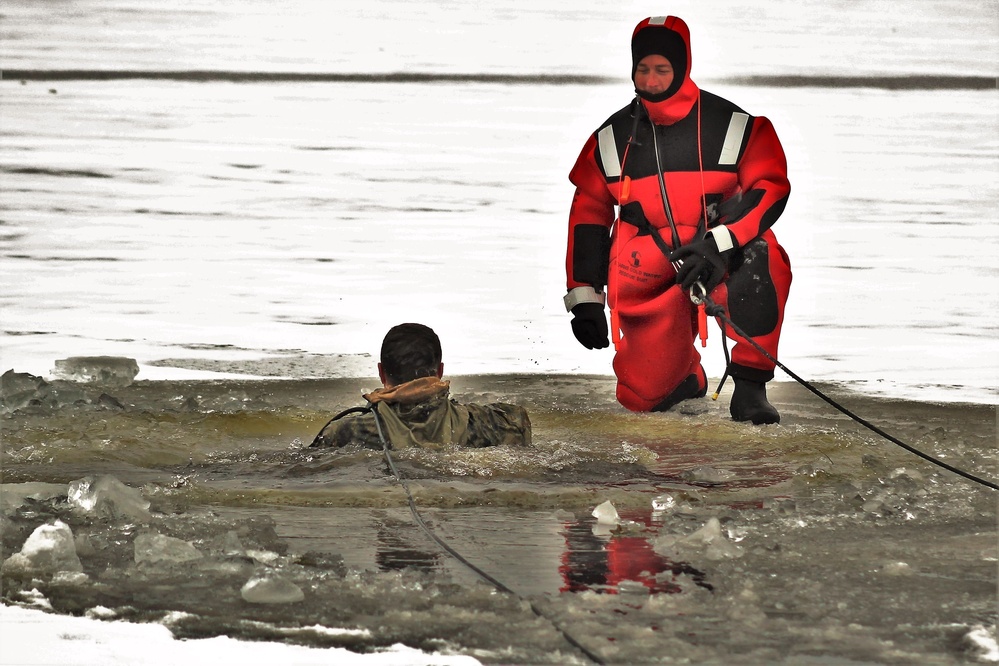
[654,74]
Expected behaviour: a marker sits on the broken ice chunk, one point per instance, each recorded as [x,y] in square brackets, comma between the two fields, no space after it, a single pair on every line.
[664,502]
[107,370]
[108,497]
[49,549]
[707,474]
[271,589]
[708,540]
[897,569]
[13,495]
[606,514]
[18,389]
[154,548]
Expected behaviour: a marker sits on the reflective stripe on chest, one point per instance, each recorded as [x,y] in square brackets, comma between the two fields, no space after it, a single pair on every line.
[608,152]
[733,139]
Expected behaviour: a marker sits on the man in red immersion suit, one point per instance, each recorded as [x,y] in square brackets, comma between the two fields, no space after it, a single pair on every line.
[688,177]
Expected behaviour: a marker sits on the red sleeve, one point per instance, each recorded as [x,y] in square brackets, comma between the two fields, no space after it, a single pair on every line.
[763,179]
[592,213]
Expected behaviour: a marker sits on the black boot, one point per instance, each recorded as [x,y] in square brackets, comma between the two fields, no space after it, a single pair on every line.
[749,403]
[694,386]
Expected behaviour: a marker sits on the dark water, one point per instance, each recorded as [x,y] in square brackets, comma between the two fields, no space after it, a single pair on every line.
[810,542]
[226,183]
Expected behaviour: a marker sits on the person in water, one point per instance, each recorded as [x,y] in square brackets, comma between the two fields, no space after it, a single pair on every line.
[696,180]
[414,407]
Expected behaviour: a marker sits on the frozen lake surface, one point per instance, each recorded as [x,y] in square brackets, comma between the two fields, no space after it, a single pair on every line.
[221,226]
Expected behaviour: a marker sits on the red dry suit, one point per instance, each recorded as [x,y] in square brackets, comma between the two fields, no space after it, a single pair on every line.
[725,174]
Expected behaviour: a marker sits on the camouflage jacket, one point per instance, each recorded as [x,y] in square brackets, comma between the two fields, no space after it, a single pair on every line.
[421,413]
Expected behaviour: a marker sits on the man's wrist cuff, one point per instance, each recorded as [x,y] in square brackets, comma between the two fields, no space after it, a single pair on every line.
[723,238]
[583,295]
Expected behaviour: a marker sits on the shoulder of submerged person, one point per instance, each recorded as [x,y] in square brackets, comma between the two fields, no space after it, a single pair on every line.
[498,423]
[352,429]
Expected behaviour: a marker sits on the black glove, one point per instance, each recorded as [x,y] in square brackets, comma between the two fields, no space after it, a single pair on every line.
[589,325]
[701,262]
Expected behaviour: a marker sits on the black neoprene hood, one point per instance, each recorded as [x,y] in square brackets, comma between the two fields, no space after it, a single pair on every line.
[655,40]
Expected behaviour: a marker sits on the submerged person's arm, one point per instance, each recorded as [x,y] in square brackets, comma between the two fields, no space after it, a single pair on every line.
[498,424]
[359,430]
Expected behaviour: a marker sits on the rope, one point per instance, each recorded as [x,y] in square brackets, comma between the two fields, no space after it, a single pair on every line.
[352,410]
[458,556]
[716,310]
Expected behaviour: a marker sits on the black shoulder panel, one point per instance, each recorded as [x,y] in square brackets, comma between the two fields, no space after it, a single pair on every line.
[678,145]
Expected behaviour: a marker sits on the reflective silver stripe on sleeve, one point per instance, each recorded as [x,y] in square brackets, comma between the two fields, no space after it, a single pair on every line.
[608,152]
[723,238]
[583,295]
[733,138]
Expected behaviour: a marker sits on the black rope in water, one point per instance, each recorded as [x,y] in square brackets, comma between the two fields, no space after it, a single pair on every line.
[716,310]
[352,410]
[458,556]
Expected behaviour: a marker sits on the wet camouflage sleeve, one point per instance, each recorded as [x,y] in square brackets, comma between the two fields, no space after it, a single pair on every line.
[498,424]
[494,424]
[359,430]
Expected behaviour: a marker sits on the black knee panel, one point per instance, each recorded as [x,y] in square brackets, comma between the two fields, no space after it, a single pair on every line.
[752,297]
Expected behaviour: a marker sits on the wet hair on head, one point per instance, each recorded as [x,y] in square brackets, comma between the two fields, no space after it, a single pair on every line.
[410,351]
